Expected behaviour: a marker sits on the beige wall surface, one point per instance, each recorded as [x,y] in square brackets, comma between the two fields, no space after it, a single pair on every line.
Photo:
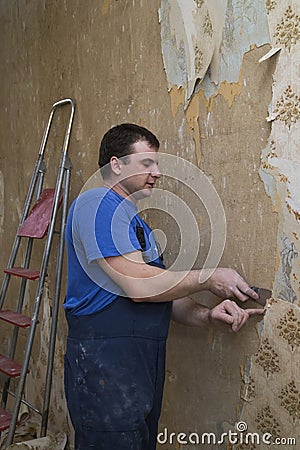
[190,72]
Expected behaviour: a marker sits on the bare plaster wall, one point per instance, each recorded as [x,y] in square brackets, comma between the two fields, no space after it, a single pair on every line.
[107,55]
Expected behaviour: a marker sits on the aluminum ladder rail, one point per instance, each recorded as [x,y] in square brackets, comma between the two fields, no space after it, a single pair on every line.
[61,190]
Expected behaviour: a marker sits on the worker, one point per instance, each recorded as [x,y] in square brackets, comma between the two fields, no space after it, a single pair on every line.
[120,298]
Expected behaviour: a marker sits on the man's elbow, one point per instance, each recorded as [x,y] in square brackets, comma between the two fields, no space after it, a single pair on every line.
[138,299]
[135,292]
[142,289]
[138,294]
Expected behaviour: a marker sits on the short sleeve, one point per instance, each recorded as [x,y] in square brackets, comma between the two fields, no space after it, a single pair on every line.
[106,227]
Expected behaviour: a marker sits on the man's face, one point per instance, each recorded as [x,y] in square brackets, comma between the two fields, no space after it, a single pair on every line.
[140,171]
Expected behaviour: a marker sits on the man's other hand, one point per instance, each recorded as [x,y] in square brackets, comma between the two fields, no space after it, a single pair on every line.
[230,313]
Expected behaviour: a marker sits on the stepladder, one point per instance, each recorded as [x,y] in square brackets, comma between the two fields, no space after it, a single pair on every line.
[42,220]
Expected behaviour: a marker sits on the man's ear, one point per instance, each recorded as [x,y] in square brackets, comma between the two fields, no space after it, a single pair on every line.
[115,165]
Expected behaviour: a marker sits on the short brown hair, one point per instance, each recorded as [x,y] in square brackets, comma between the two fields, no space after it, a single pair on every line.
[118,141]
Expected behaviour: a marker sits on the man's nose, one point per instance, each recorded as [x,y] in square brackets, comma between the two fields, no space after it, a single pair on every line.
[156,173]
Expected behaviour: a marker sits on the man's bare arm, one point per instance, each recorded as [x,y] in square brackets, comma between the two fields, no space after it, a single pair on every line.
[142,282]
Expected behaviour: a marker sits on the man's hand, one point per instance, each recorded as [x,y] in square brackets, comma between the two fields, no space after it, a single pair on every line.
[230,313]
[228,284]
[187,312]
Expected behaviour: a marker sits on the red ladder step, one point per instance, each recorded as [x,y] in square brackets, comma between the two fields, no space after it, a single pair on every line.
[23,273]
[5,419]
[37,222]
[17,319]
[9,367]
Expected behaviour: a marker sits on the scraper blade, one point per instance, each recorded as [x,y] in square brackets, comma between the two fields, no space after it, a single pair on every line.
[264,295]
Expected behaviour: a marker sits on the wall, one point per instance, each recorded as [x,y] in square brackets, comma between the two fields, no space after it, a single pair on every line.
[225,103]
[193,76]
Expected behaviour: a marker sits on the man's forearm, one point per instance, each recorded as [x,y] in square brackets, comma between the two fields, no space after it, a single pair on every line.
[143,282]
[187,312]
[169,286]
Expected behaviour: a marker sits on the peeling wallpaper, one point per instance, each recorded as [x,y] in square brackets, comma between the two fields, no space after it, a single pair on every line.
[280,168]
[273,400]
[203,41]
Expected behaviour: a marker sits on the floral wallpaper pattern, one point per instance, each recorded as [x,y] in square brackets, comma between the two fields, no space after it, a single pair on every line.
[199,3]
[288,29]
[270,4]
[267,423]
[207,26]
[290,400]
[287,108]
[290,329]
[267,358]
[271,389]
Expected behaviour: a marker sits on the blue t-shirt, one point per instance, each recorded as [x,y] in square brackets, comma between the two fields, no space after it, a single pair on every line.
[100,224]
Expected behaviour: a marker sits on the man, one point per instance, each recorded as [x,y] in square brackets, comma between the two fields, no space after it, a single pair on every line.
[120,299]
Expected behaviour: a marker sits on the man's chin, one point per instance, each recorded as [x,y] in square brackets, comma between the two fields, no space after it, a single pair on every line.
[143,193]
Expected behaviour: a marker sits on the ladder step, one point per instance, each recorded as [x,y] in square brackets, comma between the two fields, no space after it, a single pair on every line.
[5,419]
[37,222]
[23,273]
[17,319]
[9,367]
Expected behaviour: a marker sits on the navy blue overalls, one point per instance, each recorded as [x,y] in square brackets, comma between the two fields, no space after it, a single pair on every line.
[114,374]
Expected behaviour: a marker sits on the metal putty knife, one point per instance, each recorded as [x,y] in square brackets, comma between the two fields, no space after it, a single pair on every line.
[264,295]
